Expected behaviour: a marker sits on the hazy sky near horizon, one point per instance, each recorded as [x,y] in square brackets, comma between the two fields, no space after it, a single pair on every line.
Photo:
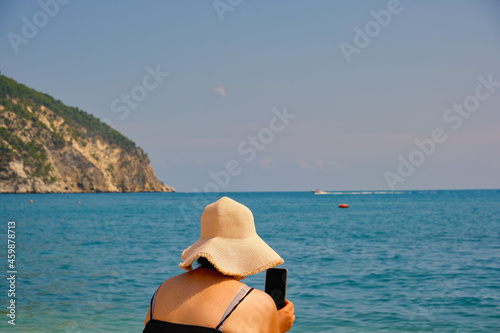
[239,95]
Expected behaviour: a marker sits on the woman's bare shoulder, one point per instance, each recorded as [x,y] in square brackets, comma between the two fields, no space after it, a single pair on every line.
[257,313]
[263,298]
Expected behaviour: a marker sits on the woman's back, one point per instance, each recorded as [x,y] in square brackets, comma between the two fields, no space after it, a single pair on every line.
[202,296]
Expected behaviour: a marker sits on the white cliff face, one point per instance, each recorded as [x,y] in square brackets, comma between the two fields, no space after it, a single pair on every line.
[42,154]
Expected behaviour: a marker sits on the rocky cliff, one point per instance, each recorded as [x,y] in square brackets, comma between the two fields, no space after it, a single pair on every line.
[48,147]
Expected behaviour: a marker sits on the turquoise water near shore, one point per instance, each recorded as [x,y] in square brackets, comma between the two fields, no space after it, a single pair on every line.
[408,261]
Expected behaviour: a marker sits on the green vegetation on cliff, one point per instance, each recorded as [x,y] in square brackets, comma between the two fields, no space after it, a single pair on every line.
[82,124]
[46,146]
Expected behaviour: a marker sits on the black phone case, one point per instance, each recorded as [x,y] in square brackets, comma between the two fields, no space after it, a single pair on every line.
[276,282]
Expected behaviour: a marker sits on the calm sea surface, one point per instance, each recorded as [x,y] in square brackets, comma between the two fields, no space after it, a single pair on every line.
[410,261]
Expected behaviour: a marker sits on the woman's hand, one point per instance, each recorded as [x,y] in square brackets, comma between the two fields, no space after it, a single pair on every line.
[286,316]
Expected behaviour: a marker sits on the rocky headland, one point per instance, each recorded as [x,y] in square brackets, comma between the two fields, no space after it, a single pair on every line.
[48,147]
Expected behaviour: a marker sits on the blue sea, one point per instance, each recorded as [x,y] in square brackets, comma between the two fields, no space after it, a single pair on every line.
[407,261]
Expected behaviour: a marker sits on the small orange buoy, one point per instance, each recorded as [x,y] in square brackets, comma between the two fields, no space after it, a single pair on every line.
[31,201]
[79,202]
[344,206]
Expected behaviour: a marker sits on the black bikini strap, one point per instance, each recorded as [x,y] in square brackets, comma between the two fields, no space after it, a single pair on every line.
[152,304]
[232,306]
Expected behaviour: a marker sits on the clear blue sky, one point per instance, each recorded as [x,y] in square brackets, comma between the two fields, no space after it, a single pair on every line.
[359,81]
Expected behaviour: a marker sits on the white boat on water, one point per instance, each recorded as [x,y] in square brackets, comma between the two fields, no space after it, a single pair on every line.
[316,191]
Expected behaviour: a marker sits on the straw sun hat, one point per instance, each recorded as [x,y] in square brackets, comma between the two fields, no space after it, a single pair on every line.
[230,242]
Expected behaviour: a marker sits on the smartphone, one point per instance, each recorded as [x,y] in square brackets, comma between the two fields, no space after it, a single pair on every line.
[276,280]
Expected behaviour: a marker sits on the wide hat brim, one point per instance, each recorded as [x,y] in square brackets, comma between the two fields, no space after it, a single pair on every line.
[232,256]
